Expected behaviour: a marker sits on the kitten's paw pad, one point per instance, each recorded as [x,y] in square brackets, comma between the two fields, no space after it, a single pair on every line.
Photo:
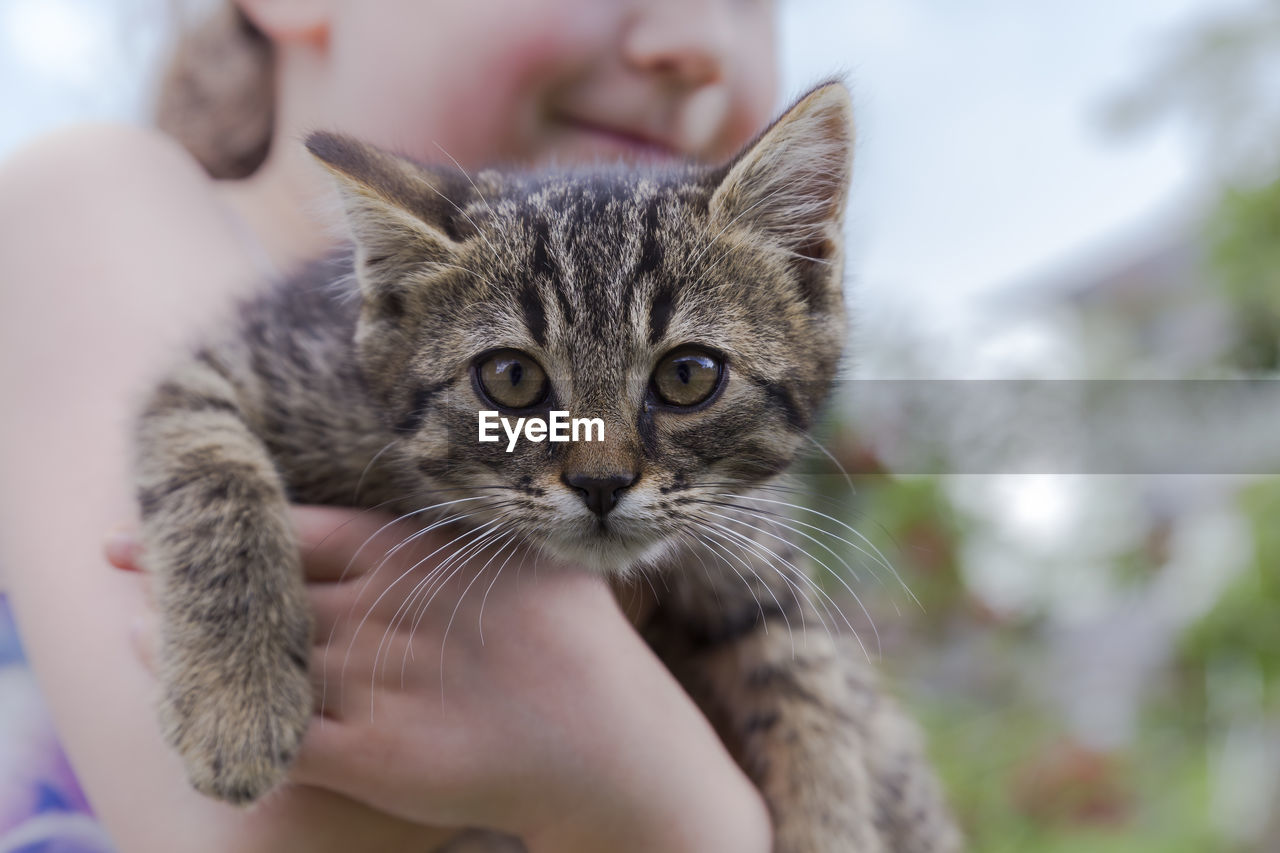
[238,738]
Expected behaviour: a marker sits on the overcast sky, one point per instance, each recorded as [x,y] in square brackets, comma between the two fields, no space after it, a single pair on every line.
[984,158]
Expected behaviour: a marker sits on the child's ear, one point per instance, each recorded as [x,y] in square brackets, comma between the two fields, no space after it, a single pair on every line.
[792,182]
[289,20]
[403,216]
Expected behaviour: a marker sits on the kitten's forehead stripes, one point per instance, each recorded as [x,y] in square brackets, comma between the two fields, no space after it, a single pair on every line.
[535,316]
[660,313]
[595,254]
[541,263]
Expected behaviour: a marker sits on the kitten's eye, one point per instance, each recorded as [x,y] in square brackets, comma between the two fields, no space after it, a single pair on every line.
[687,377]
[511,379]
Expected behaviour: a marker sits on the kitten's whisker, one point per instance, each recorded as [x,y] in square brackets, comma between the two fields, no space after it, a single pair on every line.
[437,579]
[746,546]
[711,240]
[461,559]
[652,588]
[824,598]
[848,479]
[808,553]
[448,266]
[662,577]
[384,639]
[480,619]
[787,522]
[498,532]
[406,601]
[391,552]
[449,625]
[749,548]
[772,518]
[478,535]
[781,487]
[881,557]
[466,175]
[498,504]
[397,520]
[832,572]
[703,543]
[401,615]
[411,609]
[382,505]
[355,496]
[700,543]
[768,555]
[764,622]
[696,550]
[368,579]
[464,215]
[369,612]
[721,551]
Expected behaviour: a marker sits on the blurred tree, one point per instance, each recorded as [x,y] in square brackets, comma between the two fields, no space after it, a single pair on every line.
[1244,626]
[1223,77]
[1244,235]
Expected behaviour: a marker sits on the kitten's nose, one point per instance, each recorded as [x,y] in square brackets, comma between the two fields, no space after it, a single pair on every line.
[600,494]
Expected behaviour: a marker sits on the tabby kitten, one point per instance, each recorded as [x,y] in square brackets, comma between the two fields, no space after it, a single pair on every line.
[698,312]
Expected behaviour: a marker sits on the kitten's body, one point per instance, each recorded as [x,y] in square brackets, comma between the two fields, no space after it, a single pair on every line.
[320,399]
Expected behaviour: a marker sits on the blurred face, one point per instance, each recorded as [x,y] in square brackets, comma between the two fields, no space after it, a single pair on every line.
[533,82]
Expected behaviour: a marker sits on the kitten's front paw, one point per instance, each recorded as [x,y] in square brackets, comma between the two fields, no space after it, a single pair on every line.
[237,728]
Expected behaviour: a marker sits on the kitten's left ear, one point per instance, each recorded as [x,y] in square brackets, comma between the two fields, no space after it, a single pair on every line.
[402,215]
[793,182]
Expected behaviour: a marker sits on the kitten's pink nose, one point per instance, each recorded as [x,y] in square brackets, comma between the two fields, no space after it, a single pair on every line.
[600,494]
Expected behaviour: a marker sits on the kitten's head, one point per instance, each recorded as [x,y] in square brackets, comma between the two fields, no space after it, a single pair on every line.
[697,312]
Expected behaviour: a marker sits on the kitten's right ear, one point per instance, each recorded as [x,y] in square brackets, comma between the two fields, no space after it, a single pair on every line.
[402,215]
[792,183]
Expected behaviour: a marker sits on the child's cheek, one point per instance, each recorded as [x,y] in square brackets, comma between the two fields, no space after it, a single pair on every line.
[506,104]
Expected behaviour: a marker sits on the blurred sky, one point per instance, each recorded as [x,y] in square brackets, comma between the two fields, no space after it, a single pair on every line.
[985,159]
[984,162]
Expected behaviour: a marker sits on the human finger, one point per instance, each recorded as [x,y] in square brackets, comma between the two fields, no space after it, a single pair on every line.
[122,549]
[338,543]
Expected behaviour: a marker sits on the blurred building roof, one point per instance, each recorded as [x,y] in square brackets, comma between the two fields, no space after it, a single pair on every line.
[1148,303]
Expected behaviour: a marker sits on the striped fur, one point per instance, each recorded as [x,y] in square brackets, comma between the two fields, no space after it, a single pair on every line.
[318,394]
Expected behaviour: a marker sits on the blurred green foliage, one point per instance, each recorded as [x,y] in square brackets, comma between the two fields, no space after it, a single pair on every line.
[1244,236]
[1243,628]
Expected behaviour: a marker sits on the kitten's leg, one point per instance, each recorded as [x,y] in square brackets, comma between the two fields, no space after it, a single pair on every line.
[840,766]
[235,626]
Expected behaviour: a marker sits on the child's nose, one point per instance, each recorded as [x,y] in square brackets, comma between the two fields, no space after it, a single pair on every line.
[684,40]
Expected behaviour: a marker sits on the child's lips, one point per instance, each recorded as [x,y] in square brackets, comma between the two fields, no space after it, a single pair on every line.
[634,144]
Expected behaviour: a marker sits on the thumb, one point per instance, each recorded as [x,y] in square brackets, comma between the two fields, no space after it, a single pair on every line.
[122,549]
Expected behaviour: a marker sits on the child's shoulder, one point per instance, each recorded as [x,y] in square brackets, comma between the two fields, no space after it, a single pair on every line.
[122,199]
[93,163]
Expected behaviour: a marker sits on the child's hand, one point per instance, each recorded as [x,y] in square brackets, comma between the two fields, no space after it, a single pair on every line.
[548,719]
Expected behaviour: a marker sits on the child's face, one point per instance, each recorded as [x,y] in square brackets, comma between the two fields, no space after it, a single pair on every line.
[531,81]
